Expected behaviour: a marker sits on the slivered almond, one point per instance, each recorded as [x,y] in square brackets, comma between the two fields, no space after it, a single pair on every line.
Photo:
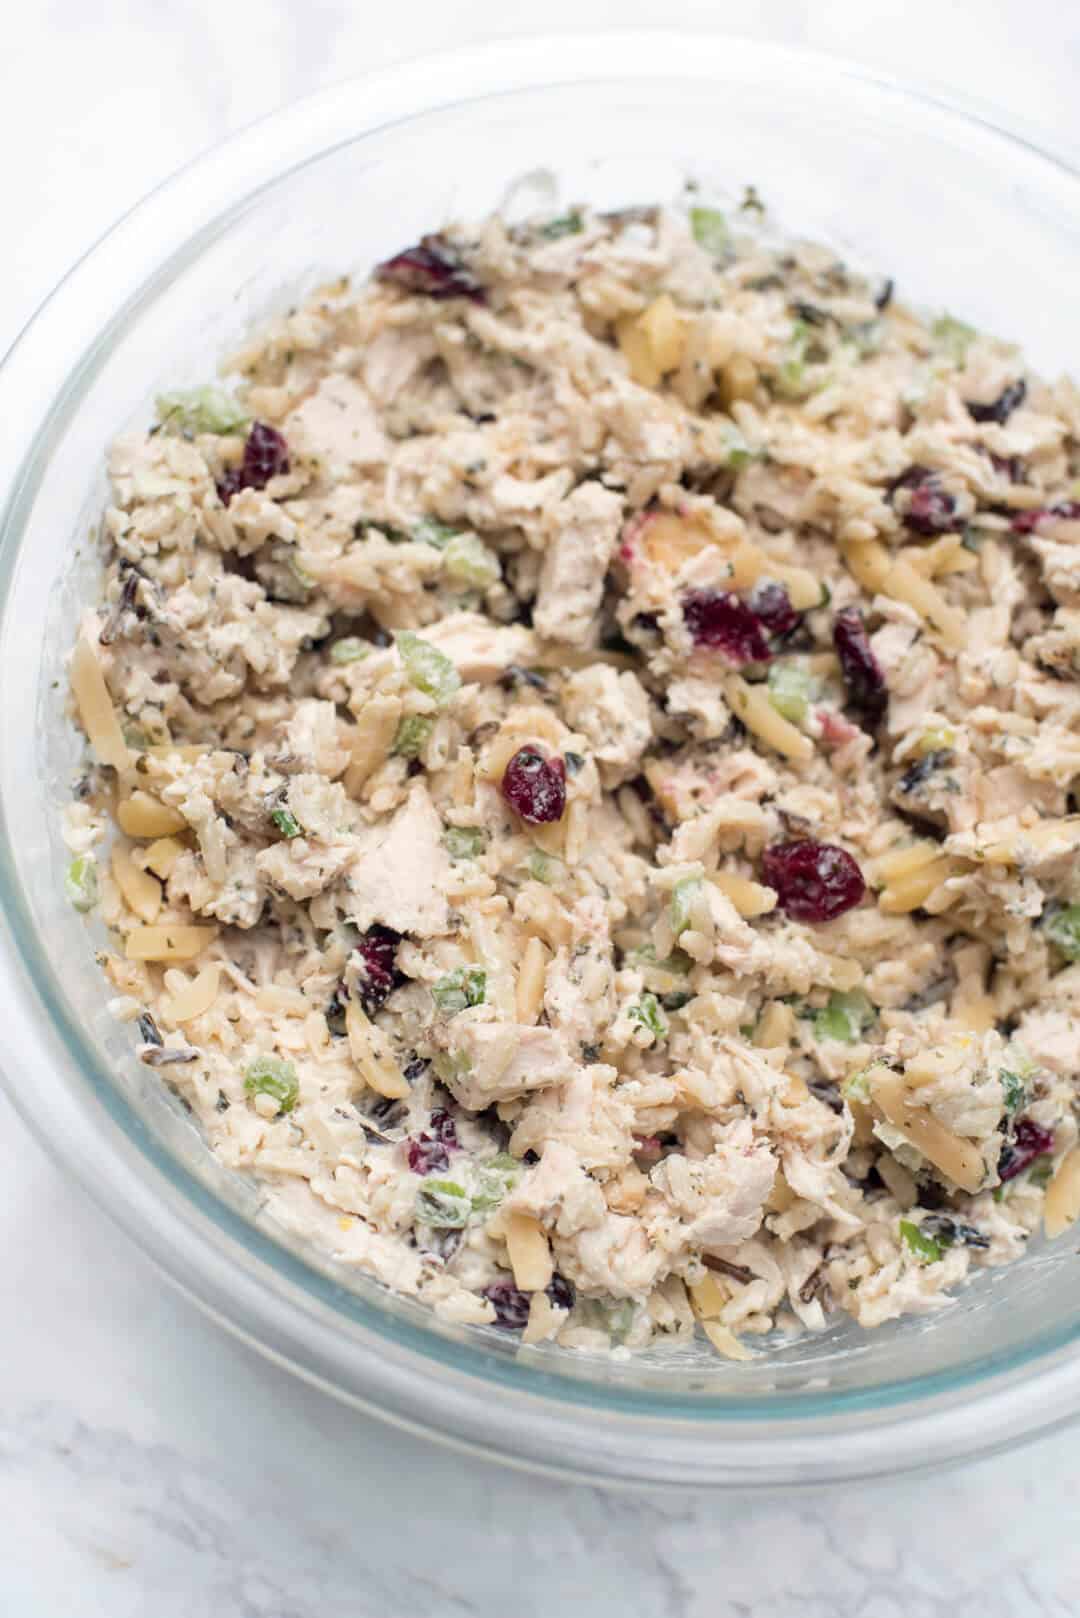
[750,704]
[529,990]
[707,1298]
[749,898]
[912,891]
[529,1252]
[868,562]
[725,1341]
[775,1026]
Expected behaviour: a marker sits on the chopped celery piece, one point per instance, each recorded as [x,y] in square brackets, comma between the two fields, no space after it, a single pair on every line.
[272,1076]
[737,451]
[208,409]
[685,896]
[936,741]
[564,224]
[1013,1089]
[464,986]
[468,561]
[411,736]
[305,579]
[286,822]
[845,1017]
[547,868]
[925,1248]
[953,337]
[647,1012]
[495,1177]
[81,882]
[1062,928]
[428,669]
[443,1204]
[789,691]
[430,531]
[856,1087]
[710,231]
[349,650]
[1041,1172]
[791,376]
[464,842]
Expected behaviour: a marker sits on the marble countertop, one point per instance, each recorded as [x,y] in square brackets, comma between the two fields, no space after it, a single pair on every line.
[150,1467]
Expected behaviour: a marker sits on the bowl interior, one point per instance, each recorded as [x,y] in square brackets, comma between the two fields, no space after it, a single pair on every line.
[964,219]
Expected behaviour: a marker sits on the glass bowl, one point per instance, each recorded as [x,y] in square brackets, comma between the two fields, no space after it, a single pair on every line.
[965,218]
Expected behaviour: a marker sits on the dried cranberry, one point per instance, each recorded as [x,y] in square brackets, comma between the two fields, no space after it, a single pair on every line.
[266,456]
[1025,521]
[535,786]
[927,508]
[863,674]
[723,623]
[1030,1140]
[560,1291]
[432,268]
[1009,466]
[378,975]
[1001,408]
[511,1305]
[443,1128]
[813,881]
[771,606]
[427,1155]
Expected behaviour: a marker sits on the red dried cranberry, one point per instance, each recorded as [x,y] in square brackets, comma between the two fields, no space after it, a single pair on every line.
[560,1291]
[771,606]
[427,1155]
[725,624]
[1025,521]
[535,786]
[1030,1140]
[1001,408]
[443,1128]
[378,975]
[511,1305]
[266,456]
[863,674]
[432,268]
[813,881]
[927,508]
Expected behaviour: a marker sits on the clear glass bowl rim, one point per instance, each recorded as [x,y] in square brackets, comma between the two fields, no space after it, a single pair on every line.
[233,1271]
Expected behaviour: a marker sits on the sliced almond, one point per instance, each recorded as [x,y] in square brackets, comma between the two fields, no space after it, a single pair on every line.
[168,943]
[957,1158]
[529,1252]
[162,855]
[95,706]
[1062,1205]
[141,891]
[195,998]
[144,816]
[371,1053]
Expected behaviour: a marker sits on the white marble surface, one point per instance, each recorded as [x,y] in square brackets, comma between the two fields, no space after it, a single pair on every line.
[149,1466]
